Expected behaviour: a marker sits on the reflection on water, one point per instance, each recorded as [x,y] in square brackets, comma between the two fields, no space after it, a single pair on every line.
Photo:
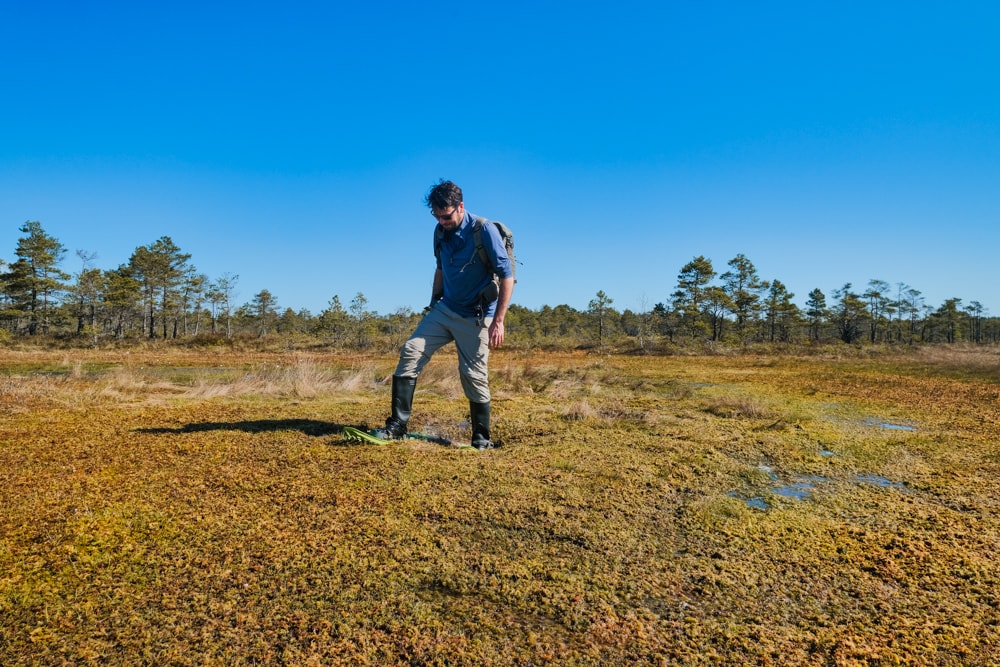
[803,487]
[878,480]
[889,425]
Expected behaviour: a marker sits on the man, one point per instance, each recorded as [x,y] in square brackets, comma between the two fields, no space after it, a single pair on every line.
[467,306]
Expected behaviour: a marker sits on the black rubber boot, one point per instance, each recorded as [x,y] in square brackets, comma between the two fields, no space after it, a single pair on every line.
[402,405]
[480,414]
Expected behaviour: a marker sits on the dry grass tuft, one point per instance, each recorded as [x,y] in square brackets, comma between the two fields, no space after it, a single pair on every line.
[740,408]
[355,379]
[440,377]
[579,411]
[970,359]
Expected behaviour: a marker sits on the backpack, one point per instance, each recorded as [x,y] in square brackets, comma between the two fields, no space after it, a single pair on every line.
[506,235]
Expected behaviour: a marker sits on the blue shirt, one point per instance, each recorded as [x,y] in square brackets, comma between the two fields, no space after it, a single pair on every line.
[463,271]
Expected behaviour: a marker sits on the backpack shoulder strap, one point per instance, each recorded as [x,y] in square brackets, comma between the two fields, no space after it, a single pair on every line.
[477,237]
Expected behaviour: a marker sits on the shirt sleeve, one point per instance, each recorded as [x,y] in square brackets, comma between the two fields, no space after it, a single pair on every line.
[497,252]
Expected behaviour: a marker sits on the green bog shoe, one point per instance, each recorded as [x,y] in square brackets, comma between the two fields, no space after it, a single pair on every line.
[357,435]
[352,434]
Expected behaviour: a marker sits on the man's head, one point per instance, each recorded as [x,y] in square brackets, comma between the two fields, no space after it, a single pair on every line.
[445,202]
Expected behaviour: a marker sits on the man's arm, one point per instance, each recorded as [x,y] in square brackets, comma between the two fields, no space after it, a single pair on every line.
[437,288]
[497,326]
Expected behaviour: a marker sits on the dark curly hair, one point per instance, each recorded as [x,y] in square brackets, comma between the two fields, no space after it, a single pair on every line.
[444,195]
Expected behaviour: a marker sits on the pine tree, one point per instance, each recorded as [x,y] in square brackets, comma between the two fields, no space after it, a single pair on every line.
[816,312]
[744,288]
[34,281]
[692,282]
[598,309]
[160,267]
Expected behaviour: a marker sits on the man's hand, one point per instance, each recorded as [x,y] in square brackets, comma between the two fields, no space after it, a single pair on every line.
[496,326]
[496,333]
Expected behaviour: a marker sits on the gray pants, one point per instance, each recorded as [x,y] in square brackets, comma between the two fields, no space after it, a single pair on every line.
[439,327]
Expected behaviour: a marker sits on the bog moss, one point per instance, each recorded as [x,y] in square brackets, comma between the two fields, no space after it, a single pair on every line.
[638,512]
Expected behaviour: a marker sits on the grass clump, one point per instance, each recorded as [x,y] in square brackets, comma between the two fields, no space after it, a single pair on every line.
[739,407]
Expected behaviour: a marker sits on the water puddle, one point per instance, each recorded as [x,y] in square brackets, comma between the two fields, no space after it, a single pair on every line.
[874,422]
[767,470]
[889,425]
[803,487]
[800,489]
[793,491]
[757,503]
[878,480]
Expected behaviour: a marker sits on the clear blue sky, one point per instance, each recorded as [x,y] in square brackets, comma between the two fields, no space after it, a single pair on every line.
[291,143]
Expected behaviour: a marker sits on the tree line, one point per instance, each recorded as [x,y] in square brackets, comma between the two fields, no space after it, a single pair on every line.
[158,294]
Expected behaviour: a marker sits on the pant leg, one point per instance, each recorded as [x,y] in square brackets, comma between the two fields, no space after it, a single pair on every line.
[431,334]
[473,343]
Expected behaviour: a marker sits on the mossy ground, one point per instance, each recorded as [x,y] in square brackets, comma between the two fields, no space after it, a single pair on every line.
[178,509]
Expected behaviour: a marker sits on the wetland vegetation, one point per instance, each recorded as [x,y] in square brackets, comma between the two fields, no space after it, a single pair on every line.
[179,507]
